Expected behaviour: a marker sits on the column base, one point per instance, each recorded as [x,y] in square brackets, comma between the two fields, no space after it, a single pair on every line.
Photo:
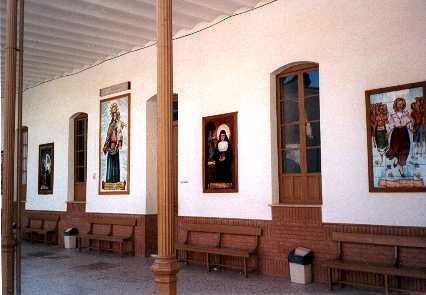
[165,269]
[7,251]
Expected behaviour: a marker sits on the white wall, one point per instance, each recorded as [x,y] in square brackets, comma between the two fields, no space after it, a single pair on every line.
[47,112]
[359,45]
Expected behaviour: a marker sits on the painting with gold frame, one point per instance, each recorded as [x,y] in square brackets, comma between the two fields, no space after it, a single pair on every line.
[114,145]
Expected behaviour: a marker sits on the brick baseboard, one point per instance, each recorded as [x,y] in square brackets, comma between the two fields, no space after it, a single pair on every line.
[292,227]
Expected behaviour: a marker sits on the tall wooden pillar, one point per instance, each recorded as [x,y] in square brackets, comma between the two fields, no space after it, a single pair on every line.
[7,240]
[165,266]
[18,217]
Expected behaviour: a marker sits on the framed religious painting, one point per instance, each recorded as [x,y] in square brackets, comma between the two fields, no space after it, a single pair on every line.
[114,143]
[220,154]
[396,118]
[46,160]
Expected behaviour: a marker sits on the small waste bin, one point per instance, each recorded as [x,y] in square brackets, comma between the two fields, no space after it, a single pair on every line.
[70,237]
[300,263]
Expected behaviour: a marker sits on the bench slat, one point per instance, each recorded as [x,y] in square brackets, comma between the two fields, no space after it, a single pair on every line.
[113,221]
[225,229]
[215,250]
[41,217]
[419,273]
[105,237]
[385,240]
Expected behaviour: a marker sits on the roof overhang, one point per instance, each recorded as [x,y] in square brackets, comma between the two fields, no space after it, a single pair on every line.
[63,37]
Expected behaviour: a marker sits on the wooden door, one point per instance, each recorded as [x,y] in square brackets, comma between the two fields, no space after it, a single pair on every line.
[299,143]
[175,151]
[80,157]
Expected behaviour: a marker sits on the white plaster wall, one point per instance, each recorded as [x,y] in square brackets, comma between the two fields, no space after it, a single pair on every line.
[358,44]
[47,112]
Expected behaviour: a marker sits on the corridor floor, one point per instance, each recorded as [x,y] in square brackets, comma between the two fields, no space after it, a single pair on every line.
[50,270]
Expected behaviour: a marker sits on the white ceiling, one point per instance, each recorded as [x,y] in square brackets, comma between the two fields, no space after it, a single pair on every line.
[64,36]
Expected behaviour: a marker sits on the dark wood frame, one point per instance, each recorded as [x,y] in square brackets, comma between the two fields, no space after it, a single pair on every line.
[234,142]
[369,141]
[40,147]
[294,70]
[127,191]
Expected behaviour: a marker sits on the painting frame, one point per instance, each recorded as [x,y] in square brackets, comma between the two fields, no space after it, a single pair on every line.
[125,191]
[232,117]
[371,176]
[50,147]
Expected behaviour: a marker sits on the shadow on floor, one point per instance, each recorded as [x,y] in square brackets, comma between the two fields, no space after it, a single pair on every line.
[50,270]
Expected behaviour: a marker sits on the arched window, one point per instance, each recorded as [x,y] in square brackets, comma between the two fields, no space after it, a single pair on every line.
[299,143]
[80,157]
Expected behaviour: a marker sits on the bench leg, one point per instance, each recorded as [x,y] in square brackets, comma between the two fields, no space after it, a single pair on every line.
[45,239]
[208,262]
[121,249]
[186,257]
[330,278]
[386,284]
[245,266]
[133,247]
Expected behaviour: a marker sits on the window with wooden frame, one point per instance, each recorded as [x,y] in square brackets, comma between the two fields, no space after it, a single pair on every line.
[299,143]
[24,154]
[80,157]
[24,163]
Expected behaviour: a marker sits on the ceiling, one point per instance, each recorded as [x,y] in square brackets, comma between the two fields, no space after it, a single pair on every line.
[63,36]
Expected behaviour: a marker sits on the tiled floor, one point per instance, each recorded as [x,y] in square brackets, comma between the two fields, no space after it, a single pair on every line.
[52,270]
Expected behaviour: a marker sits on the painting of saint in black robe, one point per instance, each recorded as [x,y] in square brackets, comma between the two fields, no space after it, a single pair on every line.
[223,158]
[220,149]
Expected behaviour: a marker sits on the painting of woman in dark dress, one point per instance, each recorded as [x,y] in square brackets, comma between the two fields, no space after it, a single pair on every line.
[399,123]
[220,155]
[114,145]
[397,160]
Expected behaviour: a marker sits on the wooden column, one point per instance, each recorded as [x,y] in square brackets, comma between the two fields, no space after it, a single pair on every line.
[18,249]
[7,240]
[165,266]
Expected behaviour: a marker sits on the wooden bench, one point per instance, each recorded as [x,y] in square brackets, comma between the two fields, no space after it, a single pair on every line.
[393,268]
[216,245]
[110,230]
[39,227]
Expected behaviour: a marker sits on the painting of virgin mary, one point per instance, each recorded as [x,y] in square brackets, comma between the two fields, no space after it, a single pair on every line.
[114,144]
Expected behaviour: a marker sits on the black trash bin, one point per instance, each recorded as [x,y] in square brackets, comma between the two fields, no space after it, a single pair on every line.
[300,264]
[70,238]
